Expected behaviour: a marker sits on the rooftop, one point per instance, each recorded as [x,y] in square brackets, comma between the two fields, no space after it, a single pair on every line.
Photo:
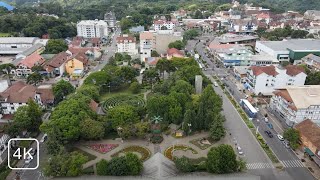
[32,60]
[228,38]
[173,51]
[18,40]
[312,57]
[310,130]
[31,49]
[291,70]
[293,44]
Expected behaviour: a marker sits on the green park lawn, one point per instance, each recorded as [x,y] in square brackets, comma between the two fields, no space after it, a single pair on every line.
[4,34]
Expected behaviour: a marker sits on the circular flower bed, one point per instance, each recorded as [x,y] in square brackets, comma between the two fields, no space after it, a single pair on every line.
[144,152]
[102,148]
[122,100]
[168,152]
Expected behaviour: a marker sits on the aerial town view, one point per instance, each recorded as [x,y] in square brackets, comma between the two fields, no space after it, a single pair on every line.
[160,89]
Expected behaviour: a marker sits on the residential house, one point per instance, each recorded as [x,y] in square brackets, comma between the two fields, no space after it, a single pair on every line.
[310,139]
[181,13]
[126,44]
[24,66]
[77,65]
[151,62]
[173,52]
[265,79]
[56,66]
[275,24]
[93,53]
[19,93]
[163,25]
[297,103]
[244,25]
[264,16]
[146,44]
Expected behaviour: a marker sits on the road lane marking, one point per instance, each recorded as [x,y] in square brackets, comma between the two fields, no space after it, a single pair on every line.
[292,163]
[259,166]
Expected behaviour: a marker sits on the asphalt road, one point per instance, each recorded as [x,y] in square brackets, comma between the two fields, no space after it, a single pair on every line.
[293,167]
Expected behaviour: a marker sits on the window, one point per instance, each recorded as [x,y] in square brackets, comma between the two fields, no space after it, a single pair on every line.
[266,84]
[12,108]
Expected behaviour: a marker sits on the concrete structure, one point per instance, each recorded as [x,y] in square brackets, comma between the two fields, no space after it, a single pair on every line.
[127,44]
[312,61]
[163,25]
[297,103]
[265,79]
[19,93]
[312,15]
[92,29]
[235,39]
[286,50]
[146,44]
[198,84]
[16,45]
[110,18]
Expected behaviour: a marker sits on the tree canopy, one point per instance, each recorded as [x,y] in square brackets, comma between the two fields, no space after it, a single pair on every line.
[56,46]
[293,136]
[61,89]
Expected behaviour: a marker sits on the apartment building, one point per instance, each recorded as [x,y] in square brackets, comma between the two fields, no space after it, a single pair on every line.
[163,25]
[265,79]
[127,44]
[92,29]
[146,42]
[297,103]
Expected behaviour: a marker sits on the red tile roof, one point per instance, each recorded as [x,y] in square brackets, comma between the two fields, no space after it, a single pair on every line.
[81,57]
[56,61]
[221,46]
[32,60]
[270,70]
[309,130]
[46,95]
[293,70]
[121,39]
[173,51]
[284,94]
[93,105]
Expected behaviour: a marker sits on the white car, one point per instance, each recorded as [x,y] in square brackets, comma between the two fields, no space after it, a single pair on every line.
[280,137]
[29,159]
[44,138]
[239,150]
[215,84]
[266,120]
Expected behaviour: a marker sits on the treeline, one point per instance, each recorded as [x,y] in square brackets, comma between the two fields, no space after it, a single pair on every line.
[281,33]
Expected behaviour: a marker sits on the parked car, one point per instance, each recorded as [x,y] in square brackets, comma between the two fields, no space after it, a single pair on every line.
[269,133]
[286,144]
[29,159]
[239,150]
[280,137]
[33,152]
[44,138]
[266,120]
[215,84]
[270,125]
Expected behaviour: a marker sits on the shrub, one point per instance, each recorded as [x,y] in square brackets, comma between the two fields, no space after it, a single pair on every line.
[184,164]
[135,87]
[102,167]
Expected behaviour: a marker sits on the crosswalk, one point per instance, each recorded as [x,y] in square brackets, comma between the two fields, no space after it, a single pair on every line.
[258,165]
[292,163]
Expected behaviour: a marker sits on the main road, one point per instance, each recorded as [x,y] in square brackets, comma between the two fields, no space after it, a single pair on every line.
[293,167]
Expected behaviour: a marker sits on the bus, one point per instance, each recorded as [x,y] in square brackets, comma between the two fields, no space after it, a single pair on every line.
[248,108]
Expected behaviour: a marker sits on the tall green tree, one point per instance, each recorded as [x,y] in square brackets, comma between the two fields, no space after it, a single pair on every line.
[61,90]
[102,166]
[135,165]
[34,78]
[56,46]
[177,44]
[293,136]
[122,115]
[217,130]
[91,129]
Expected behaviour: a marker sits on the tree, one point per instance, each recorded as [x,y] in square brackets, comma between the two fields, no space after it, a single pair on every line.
[299,34]
[126,23]
[91,129]
[222,159]
[61,89]
[182,86]
[190,34]
[102,166]
[91,91]
[135,87]
[162,66]
[134,164]
[154,54]
[56,46]
[293,136]
[198,15]
[122,115]
[217,130]
[118,166]
[177,44]
[126,73]
[37,68]
[150,76]
[184,164]
[189,118]
[34,78]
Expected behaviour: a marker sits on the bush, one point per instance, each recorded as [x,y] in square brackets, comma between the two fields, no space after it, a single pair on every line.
[102,167]
[184,164]
[156,139]
[135,88]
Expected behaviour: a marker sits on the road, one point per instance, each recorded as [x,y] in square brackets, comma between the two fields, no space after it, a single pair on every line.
[293,167]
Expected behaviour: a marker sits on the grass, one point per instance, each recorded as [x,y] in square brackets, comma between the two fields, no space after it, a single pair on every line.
[108,95]
[90,156]
[4,34]
[144,152]
[168,152]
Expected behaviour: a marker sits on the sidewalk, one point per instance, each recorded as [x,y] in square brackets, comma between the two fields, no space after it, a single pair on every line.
[310,165]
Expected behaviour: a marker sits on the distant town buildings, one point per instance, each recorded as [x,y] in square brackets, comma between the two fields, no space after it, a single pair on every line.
[110,19]
[163,25]
[92,29]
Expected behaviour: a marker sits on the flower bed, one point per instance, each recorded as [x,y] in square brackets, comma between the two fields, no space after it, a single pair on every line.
[145,153]
[102,148]
[168,152]
[122,100]
[197,142]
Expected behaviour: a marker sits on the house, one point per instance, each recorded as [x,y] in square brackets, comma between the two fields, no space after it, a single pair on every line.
[263,16]
[19,93]
[110,19]
[56,66]
[163,25]
[77,65]
[173,52]
[312,15]
[92,29]
[126,44]
[265,79]
[181,13]
[24,66]
[310,139]
[312,61]
[93,53]
[244,25]
[275,24]
[151,62]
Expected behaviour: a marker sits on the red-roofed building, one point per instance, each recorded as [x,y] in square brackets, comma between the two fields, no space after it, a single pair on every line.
[77,65]
[56,66]
[265,16]
[24,66]
[265,79]
[127,44]
[160,24]
[173,52]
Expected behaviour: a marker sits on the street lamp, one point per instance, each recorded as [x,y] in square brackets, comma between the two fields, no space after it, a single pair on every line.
[189,125]
[119,129]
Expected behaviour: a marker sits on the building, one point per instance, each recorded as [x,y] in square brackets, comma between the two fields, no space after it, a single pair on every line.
[312,15]
[265,79]
[56,65]
[163,25]
[236,39]
[151,62]
[173,52]
[19,93]
[110,18]
[127,44]
[293,104]
[136,29]
[24,66]
[92,29]
[312,61]
[38,48]
[16,45]
[240,72]
[310,139]
[77,65]
[146,44]
[286,50]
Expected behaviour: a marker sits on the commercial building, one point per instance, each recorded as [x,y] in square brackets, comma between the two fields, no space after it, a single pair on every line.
[127,44]
[297,103]
[265,79]
[230,38]
[16,45]
[286,50]
[92,29]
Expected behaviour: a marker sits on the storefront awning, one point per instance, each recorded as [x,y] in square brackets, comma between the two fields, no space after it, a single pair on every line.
[308,151]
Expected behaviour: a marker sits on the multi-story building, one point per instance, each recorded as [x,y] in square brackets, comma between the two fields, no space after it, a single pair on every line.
[265,79]
[293,104]
[110,18]
[92,29]
[19,93]
[24,66]
[126,44]
[146,41]
[163,25]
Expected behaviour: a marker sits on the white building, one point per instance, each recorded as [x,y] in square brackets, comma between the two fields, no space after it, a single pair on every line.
[16,45]
[127,44]
[265,79]
[92,29]
[297,103]
[110,18]
[146,41]
[169,25]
